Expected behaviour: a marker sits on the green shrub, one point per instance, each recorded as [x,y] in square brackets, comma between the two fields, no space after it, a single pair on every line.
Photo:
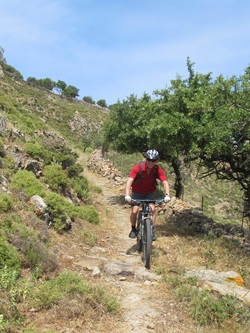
[2,150]
[89,213]
[33,252]
[88,150]
[74,170]
[8,162]
[6,202]
[12,71]
[206,308]
[37,152]
[88,237]
[69,284]
[60,209]
[81,187]
[59,153]
[27,182]
[8,255]
[56,178]
[37,256]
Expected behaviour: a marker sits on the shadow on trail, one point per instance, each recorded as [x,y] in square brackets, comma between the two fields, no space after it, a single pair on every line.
[133,249]
[117,200]
[170,230]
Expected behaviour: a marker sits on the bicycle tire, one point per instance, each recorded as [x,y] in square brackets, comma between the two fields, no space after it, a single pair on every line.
[139,235]
[147,242]
[139,242]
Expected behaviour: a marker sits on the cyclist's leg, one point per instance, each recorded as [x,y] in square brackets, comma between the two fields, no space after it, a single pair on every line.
[152,208]
[151,196]
[135,207]
[133,215]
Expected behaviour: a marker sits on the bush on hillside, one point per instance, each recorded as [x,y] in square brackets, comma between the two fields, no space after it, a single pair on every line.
[2,149]
[60,210]
[27,182]
[37,152]
[89,213]
[74,170]
[8,255]
[56,178]
[81,187]
[6,202]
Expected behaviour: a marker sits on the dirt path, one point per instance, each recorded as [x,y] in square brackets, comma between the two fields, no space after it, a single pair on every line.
[138,289]
[136,294]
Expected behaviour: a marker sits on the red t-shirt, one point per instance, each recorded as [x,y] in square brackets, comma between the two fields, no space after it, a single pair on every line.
[146,184]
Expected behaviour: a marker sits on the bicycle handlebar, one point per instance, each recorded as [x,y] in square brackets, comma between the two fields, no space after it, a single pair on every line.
[147,201]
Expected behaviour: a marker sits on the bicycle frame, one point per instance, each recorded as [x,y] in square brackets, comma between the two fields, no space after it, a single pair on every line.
[145,228]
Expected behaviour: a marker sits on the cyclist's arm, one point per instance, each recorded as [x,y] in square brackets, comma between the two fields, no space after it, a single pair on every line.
[166,187]
[128,185]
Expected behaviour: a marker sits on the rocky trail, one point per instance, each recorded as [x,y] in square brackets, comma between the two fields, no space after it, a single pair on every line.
[137,288]
[113,261]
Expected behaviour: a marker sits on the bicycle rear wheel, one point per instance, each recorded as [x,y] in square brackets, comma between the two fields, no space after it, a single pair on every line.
[147,241]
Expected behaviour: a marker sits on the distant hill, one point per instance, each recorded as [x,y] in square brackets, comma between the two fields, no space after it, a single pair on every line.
[31,108]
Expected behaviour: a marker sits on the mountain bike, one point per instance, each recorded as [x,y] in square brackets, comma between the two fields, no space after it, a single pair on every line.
[145,228]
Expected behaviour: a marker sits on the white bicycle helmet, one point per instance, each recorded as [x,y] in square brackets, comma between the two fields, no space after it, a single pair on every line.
[152,154]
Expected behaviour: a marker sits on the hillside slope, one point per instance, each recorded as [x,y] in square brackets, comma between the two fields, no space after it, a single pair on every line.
[102,254]
[114,263]
[32,109]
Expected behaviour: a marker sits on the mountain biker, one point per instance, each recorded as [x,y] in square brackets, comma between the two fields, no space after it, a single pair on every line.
[142,179]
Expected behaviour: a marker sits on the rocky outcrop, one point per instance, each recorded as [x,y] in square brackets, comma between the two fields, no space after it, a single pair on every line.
[224,283]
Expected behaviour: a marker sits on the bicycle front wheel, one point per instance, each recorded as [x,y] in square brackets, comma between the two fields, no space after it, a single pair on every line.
[140,232]
[147,241]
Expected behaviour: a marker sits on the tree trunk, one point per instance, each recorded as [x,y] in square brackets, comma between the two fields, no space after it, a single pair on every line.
[178,186]
[247,204]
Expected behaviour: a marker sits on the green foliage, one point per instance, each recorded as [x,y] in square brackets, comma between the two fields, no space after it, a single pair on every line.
[2,59]
[194,119]
[33,252]
[102,103]
[88,237]
[37,151]
[31,79]
[37,256]
[8,164]
[96,189]
[206,308]
[56,178]
[88,150]
[60,209]
[6,202]
[88,99]
[89,213]
[2,150]
[27,182]
[74,170]
[45,83]
[69,284]
[8,255]
[81,187]
[60,86]
[12,71]
[59,153]
[71,91]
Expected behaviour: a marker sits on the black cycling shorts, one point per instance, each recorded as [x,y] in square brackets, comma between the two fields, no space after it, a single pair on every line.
[139,196]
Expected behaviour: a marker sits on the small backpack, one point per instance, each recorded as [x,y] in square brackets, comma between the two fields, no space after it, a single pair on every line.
[140,175]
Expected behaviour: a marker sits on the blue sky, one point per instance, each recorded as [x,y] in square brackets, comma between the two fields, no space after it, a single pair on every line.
[110,49]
